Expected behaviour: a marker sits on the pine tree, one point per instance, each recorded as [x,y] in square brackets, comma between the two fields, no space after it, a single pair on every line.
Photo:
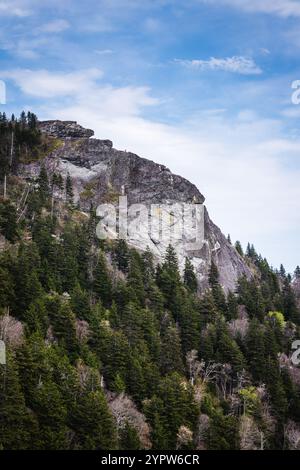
[129,438]
[213,277]
[291,312]
[8,221]
[297,273]
[52,414]
[69,189]
[18,427]
[282,271]
[216,289]
[232,306]
[256,350]
[102,284]
[43,183]
[171,352]
[93,422]
[175,407]
[168,280]
[239,248]
[148,270]
[121,255]
[189,276]
[135,277]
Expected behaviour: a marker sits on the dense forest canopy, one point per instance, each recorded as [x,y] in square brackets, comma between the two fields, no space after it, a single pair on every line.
[107,350]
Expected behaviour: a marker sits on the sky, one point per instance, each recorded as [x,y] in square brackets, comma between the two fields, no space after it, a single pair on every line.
[201,86]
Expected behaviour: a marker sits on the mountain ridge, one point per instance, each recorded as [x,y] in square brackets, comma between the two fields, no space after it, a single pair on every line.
[100,174]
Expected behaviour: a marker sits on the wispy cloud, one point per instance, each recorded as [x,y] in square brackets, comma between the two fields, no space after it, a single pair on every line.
[45,84]
[85,89]
[103,51]
[55,26]
[236,64]
[14,8]
[284,8]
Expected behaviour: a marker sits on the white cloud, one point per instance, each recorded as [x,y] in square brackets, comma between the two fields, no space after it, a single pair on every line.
[44,84]
[235,64]
[55,26]
[84,88]
[14,8]
[284,8]
[237,163]
[103,51]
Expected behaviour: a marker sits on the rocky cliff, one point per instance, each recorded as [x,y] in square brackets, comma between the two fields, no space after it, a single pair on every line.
[100,174]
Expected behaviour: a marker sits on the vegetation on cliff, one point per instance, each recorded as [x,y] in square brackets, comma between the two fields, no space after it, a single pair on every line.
[107,350]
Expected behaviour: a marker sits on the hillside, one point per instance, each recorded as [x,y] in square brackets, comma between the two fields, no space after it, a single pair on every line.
[115,345]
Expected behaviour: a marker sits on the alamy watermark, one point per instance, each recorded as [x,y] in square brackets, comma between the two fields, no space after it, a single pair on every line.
[2,92]
[295,358]
[296,94]
[2,353]
[162,223]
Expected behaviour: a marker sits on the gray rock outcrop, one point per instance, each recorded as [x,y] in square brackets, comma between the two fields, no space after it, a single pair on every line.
[63,129]
[100,174]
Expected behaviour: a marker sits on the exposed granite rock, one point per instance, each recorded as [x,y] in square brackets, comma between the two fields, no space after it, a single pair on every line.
[101,174]
[63,129]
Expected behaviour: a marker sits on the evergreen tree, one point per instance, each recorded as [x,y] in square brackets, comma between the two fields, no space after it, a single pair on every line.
[93,422]
[18,427]
[190,279]
[171,352]
[291,312]
[239,248]
[8,221]
[256,350]
[232,306]
[69,189]
[297,273]
[121,255]
[43,182]
[129,438]
[217,291]
[102,282]
[168,279]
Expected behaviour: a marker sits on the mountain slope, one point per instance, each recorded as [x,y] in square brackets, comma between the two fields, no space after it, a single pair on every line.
[101,173]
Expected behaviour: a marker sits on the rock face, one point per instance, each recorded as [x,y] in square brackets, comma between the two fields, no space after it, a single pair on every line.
[63,129]
[100,174]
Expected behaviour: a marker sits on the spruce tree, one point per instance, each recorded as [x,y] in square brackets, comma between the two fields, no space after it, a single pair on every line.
[190,280]
[18,427]
[102,284]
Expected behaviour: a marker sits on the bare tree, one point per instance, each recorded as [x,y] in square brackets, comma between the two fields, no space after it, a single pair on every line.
[250,436]
[208,372]
[11,330]
[124,410]
[82,330]
[238,327]
[194,366]
[203,426]
[292,435]
[184,437]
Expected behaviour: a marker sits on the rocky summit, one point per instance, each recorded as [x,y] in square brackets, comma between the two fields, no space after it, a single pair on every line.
[100,174]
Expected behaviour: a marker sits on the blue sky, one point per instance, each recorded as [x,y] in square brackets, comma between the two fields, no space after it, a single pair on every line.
[203,86]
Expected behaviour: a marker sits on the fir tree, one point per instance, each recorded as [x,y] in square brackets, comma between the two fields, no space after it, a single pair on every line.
[129,438]
[189,276]
[69,189]
[239,248]
[102,284]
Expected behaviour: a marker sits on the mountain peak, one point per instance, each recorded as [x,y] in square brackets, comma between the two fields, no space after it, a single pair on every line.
[101,173]
[64,129]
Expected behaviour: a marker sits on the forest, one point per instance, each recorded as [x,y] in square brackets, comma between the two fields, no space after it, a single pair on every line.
[106,349]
